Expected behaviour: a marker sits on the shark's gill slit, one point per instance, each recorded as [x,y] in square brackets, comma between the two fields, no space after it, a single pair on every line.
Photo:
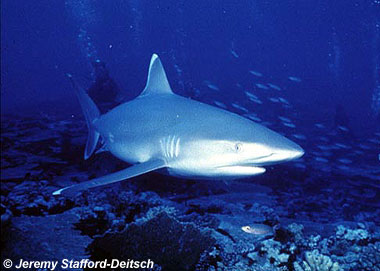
[177,146]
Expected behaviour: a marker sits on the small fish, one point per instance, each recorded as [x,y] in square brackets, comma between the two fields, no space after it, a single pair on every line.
[321,159]
[345,161]
[320,126]
[287,106]
[299,136]
[300,165]
[210,85]
[291,125]
[364,147]
[250,95]
[284,119]
[213,87]
[324,148]
[240,107]
[294,79]
[239,85]
[344,129]
[258,229]
[324,139]
[359,152]
[342,146]
[253,117]
[316,153]
[283,100]
[220,104]
[274,100]
[262,86]
[234,54]
[325,169]
[258,101]
[177,68]
[274,86]
[343,167]
[327,153]
[267,123]
[197,92]
[374,141]
[258,74]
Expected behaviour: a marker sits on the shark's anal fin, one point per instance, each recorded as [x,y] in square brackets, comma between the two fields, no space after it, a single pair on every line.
[118,176]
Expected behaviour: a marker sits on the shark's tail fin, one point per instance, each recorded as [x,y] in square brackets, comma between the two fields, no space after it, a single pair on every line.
[91,113]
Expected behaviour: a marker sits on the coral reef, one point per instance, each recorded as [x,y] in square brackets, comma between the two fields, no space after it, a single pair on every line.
[53,238]
[144,239]
[183,225]
[314,261]
[353,235]
[35,198]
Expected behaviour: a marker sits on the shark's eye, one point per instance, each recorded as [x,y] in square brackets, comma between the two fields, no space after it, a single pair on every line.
[238,147]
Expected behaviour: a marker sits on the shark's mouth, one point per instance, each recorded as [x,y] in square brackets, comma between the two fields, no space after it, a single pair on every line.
[249,167]
[275,158]
[259,161]
[239,170]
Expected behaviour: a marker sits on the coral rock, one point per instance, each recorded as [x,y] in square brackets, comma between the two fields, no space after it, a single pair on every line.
[316,262]
[161,238]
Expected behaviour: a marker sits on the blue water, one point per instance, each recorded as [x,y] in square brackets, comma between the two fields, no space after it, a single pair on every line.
[309,70]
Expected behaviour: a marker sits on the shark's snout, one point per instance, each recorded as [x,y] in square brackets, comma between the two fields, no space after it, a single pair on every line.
[298,153]
[291,152]
[286,151]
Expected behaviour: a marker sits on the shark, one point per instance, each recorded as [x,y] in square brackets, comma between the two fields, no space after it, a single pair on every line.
[160,130]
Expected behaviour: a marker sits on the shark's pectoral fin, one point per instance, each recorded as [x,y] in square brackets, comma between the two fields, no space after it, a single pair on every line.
[118,176]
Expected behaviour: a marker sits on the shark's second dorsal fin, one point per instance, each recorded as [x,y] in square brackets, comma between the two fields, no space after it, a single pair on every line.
[157,82]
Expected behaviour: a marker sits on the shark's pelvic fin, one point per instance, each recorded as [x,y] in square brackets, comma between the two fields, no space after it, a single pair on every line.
[124,174]
[91,113]
[157,82]
[103,148]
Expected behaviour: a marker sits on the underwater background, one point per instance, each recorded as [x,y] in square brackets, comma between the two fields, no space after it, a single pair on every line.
[309,70]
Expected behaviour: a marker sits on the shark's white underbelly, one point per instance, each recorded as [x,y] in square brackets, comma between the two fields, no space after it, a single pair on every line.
[131,152]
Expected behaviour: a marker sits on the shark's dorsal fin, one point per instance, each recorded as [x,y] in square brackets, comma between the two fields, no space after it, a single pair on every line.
[157,82]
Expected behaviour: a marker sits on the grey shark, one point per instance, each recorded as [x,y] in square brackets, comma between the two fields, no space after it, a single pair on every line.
[162,130]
